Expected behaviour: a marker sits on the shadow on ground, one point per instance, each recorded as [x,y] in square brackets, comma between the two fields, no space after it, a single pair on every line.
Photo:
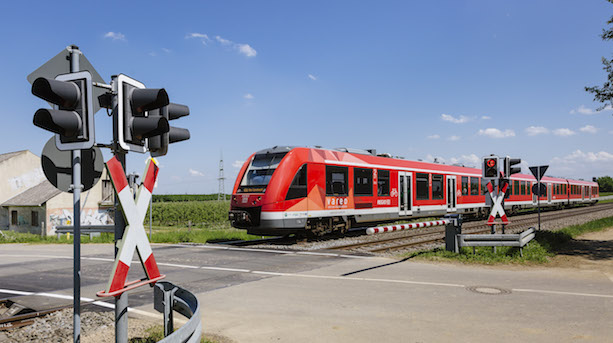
[563,244]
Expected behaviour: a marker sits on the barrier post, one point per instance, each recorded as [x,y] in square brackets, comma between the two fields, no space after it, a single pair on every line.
[452,230]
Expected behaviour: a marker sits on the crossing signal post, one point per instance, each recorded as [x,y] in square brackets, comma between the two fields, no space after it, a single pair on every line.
[73,118]
[158,145]
[509,168]
[134,104]
[490,167]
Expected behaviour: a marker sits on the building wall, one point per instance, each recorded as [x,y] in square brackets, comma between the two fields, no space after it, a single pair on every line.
[60,208]
[25,219]
[17,174]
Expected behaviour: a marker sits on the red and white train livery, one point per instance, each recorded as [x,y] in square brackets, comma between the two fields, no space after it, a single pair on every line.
[286,190]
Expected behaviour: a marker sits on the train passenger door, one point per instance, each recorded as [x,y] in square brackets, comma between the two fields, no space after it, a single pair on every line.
[582,192]
[451,193]
[549,192]
[404,194]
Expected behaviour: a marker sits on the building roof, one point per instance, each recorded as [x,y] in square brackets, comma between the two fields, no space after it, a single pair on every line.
[35,196]
[8,155]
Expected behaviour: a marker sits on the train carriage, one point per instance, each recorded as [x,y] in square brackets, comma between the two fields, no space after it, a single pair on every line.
[285,190]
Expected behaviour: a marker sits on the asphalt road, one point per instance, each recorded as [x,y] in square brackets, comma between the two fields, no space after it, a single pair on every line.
[260,296]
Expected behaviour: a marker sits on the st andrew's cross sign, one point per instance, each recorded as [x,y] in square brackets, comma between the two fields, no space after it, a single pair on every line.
[134,237]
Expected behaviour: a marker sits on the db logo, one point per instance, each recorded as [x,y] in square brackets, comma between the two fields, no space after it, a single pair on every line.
[394,193]
[245,199]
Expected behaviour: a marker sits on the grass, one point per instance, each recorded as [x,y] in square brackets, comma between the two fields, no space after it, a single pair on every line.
[540,250]
[161,234]
[156,333]
[604,194]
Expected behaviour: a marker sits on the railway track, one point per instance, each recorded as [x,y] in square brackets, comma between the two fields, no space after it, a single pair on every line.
[12,315]
[413,239]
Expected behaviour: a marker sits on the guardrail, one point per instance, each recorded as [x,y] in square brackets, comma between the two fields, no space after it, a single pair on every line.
[496,240]
[168,297]
[91,230]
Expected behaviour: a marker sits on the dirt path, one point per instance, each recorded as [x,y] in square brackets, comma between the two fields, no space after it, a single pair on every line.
[590,251]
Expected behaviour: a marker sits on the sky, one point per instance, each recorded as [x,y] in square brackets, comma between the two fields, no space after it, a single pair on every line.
[453,80]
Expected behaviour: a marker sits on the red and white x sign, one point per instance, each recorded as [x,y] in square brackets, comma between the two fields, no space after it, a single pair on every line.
[134,237]
[497,208]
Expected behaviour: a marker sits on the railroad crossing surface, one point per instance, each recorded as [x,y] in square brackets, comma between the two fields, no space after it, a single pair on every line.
[249,295]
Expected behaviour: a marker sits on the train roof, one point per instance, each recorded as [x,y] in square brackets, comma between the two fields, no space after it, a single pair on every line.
[358,157]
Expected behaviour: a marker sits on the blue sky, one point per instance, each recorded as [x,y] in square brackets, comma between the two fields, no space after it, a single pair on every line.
[455,80]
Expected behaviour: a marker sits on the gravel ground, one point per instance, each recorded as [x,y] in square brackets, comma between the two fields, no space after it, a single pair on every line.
[56,327]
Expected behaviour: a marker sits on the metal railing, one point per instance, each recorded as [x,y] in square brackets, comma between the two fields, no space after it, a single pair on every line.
[168,297]
[91,230]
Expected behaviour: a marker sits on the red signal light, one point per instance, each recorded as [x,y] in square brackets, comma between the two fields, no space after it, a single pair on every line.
[491,162]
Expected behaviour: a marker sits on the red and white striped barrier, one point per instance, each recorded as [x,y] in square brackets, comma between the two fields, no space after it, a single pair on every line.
[134,237]
[380,229]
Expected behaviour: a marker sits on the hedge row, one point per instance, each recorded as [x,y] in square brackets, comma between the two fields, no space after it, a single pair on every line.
[185,197]
[181,213]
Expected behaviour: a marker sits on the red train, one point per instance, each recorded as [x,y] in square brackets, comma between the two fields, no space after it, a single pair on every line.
[285,190]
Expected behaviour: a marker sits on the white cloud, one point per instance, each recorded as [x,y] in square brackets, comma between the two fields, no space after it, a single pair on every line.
[115,36]
[204,38]
[611,132]
[496,133]
[249,96]
[193,172]
[237,164]
[486,117]
[471,160]
[152,54]
[454,138]
[563,132]
[461,120]
[166,50]
[246,50]
[435,136]
[588,129]
[196,35]
[223,41]
[312,77]
[579,156]
[588,111]
[579,164]
[536,130]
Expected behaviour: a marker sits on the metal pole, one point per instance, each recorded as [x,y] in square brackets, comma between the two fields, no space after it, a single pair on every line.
[121,301]
[150,215]
[538,197]
[76,198]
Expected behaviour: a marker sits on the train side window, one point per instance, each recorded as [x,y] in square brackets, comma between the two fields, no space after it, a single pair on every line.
[474,186]
[437,186]
[483,186]
[362,181]
[522,187]
[515,187]
[464,185]
[336,180]
[423,191]
[298,188]
[383,183]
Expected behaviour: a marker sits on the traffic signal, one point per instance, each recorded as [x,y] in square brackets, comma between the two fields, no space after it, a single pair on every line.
[72,119]
[508,166]
[490,166]
[135,125]
[158,145]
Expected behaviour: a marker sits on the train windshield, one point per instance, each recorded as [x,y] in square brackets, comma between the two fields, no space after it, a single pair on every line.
[260,171]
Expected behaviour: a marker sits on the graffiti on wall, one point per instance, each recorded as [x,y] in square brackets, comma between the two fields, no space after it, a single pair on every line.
[88,217]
